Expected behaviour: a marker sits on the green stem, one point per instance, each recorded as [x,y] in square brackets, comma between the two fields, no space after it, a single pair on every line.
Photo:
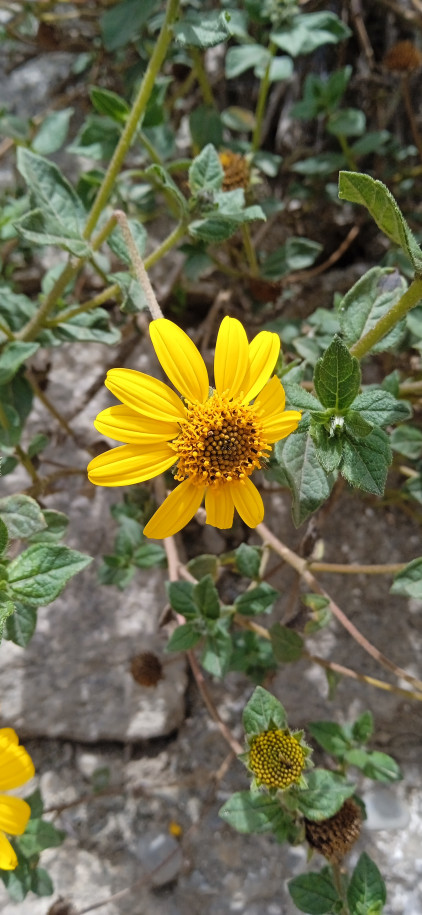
[6,331]
[347,152]
[408,301]
[249,250]
[27,463]
[110,293]
[202,77]
[151,150]
[133,120]
[166,245]
[103,233]
[262,99]
[32,328]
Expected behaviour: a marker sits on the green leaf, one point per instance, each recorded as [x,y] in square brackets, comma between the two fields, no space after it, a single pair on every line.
[287,644]
[22,516]
[363,727]
[337,377]
[122,23]
[366,893]
[359,188]
[381,408]
[205,564]
[256,600]
[181,598]
[367,301]
[206,598]
[109,103]
[4,537]
[217,651]
[7,608]
[149,555]
[355,425]
[40,835]
[310,485]
[320,166]
[18,881]
[301,399]
[281,68]
[245,57]
[202,29]
[325,794]
[36,804]
[206,126]
[39,574]
[56,526]
[347,122]
[407,440]
[118,244]
[263,712]
[329,448]
[41,882]
[183,638]
[330,736]
[206,171]
[163,179]
[96,139]
[16,398]
[12,357]
[20,626]
[309,31]
[53,132]
[258,813]
[237,118]
[295,254]
[376,765]
[314,894]
[248,560]
[58,212]
[366,462]
[37,444]
[91,326]
[409,580]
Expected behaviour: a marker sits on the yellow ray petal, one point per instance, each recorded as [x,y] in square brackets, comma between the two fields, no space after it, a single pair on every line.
[231,360]
[14,815]
[263,355]
[271,400]
[219,506]
[281,426]
[180,359]
[247,501]
[8,859]
[130,464]
[125,425]
[16,766]
[7,735]
[145,394]
[176,511]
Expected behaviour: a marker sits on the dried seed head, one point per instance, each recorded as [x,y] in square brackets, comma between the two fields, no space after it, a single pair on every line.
[236,170]
[61,907]
[403,56]
[333,838]
[146,668]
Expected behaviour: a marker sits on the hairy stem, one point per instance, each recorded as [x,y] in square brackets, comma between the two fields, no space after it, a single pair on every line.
[407,301]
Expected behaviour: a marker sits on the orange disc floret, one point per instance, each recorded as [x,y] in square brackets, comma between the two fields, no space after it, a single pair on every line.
[276,758]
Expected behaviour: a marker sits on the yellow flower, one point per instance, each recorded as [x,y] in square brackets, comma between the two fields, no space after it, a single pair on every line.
[276,758]
[215,437]
[16,768]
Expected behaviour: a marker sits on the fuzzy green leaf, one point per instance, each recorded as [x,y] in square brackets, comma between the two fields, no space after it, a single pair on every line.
[217,651]
[39,574]
[206,598]
[12,357]
[381,408]
[409,580]
[358,188]
[330,736]
[21,624]
[245,57]
[206,171]
[287,644]
[325,794]
[300,399]
[183,638]
[366,462]
[407,440]
[374,764]
[180,595]
[39,834]
[4,537]
[263,712]
[309,483]
[363,727]
[314,894]
[329,448]
[366,893]
[202,29]
[256,600]
[22,516]
[248,560]
[256,813]
[307,32]
[337,377]
[123,22]
[52,132]
[367,301]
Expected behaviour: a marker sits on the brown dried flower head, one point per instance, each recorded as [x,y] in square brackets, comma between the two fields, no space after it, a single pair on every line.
[403,56]
[61,907]
[333,838]
[146,668]
[236,170]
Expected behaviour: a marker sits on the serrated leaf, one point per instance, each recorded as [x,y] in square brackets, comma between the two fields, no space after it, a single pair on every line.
[109,103]
[309,483]
[183,638]
[337,377]
[366,462]
[205,564]
[366,892]
[358,188]
[35,229]
[248,560]
[22,516]
[217,651]
[367,301]
[149,555]
[21,625]
[164,179]
[287,644]
[39,574]
[7,608]
[330,736]
[12,357]
[356,425]
[325,794]
[407,440]
[300,399]
[314,894]
[256,600]
[306,32]
[180,595]
[409,580]
[56,526]
[381,408]
[245,57]
[41,882]
[263,712]
[206,598]
[376,765]
[257,813]
[202,29]
[295,254]
[40,835]
[52,132]
[329,448]
[363,727]
[206,171]
[122,23]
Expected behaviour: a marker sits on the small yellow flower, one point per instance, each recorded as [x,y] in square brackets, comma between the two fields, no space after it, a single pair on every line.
[216,438]
[276,759]
[16,768]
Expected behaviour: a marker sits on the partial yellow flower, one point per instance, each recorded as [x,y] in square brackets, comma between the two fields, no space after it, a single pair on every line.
[16,768]
[215,438]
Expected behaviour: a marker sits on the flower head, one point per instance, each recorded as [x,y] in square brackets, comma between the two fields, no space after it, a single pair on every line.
[236,170]
[404,57]
[16,768]
[215,438]
[333,838]
[276,758]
